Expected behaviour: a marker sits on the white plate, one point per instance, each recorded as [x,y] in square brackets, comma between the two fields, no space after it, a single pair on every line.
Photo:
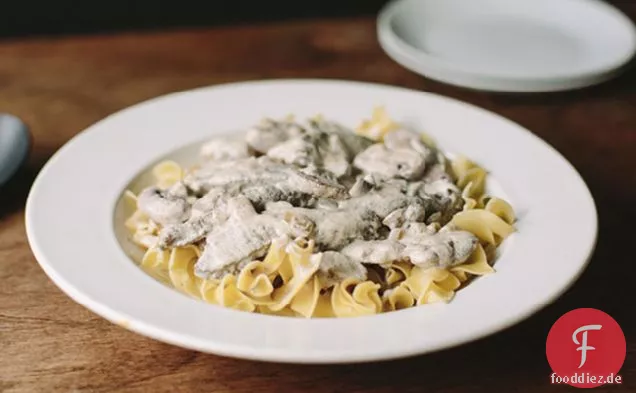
[74,218]
[509,45]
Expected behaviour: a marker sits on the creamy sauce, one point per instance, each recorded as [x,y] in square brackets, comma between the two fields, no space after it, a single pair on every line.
[223,149]
[361,202]
[335,267]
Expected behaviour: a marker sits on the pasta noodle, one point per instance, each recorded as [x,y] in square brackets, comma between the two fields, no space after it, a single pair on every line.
[207,290]
[144,229]
[275,256]
[467,172]
[469,202]
[397,272]
[156,261]
[486,225]
[379,125]
[403,267]
[227,294]
[285,312]
[501,209]
[167,173]
[303,266]
[324,308]
[461,275]
[477,265]
[253,281]
[130,199]
[398,298]
[181,269]
[427,139]
[432,285]
[439,285]
[286,281]
[362,300]
[306,300]
[393,276]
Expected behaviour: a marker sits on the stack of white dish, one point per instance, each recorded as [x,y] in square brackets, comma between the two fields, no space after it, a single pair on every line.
[509,45]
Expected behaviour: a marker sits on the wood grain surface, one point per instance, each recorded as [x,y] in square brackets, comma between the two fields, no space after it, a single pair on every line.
[59,86]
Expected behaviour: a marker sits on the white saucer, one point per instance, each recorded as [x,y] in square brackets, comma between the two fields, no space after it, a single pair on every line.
[509,45]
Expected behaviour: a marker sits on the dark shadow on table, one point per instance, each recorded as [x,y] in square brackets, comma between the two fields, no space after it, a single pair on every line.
[13,194]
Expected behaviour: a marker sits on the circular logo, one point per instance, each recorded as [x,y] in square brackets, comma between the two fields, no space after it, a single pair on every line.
[586,348]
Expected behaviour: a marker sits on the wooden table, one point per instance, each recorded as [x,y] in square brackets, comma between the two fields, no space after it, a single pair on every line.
[60,86]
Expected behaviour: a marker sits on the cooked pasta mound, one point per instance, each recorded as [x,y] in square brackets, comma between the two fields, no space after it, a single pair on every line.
[311,219]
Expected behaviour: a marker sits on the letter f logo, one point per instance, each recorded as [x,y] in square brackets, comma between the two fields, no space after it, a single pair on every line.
[584,347]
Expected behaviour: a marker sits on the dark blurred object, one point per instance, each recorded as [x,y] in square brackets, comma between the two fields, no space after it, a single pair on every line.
[53,17]
[14,145]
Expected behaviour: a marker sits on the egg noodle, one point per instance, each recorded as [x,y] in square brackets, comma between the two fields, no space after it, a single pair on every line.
[285,282]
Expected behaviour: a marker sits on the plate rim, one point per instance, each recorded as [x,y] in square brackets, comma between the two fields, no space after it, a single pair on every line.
[275,355]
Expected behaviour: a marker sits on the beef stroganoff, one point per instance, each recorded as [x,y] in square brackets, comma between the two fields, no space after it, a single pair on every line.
[312,219]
